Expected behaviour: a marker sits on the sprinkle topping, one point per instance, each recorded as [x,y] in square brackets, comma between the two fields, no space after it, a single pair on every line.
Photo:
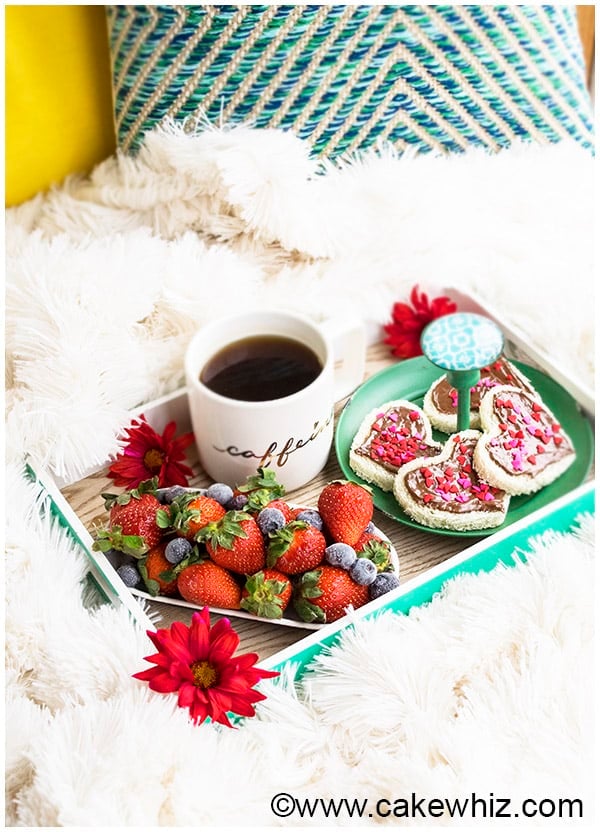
[397,437]
[452,484]
[529,437]
[445,397]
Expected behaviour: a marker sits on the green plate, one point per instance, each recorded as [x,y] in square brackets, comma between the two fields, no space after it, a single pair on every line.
[410,380]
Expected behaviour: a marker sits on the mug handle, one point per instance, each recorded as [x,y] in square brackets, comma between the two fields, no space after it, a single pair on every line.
[348,342]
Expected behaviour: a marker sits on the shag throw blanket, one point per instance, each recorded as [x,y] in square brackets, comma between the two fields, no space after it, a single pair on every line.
[487,688]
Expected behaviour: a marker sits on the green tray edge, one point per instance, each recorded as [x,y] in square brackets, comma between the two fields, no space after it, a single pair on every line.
[49,500]
[561,519]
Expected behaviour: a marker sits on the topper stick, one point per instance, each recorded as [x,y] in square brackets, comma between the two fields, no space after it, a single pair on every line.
[461,344]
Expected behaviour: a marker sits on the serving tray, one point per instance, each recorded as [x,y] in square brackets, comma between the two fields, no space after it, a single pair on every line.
[420,553]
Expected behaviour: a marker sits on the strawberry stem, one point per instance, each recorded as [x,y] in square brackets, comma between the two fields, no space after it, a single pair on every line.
[224,532]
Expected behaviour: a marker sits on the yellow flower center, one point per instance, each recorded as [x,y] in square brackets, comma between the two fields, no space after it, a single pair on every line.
[204,674]
[153,460]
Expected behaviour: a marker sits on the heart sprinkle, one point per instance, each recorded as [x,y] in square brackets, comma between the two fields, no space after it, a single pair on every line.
[450,481]
[524,440]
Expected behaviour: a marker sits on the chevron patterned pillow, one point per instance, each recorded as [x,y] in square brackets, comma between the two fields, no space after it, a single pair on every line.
[343,77]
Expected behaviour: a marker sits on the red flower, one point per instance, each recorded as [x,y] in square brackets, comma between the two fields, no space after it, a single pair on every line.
[198,662]
[147,455]
[408,322]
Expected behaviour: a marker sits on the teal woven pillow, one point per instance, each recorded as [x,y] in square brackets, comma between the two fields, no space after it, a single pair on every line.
[343,77]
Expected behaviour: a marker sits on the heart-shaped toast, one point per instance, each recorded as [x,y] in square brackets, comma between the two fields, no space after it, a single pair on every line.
[445,491]
[441,400]
[390,436]
[523,446]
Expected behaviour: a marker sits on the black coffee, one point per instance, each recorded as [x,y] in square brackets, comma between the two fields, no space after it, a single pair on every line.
[261,368]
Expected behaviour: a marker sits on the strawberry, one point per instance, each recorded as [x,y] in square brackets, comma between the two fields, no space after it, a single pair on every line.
[235,542]
[267,593]
[133,521]
[190,513]
[208,584]
[296,548]
[346,508]
[155,570]
[260,489]
[324,594]
[364,539]
[374,548]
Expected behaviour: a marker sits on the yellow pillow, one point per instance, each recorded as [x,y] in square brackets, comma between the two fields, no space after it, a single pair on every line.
[59,116]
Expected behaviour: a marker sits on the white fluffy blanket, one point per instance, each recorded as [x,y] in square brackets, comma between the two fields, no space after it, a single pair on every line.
[486,691]
[108,277]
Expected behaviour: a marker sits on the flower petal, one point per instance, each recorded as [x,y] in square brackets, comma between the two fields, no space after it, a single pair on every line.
[159,659]
[168,434]
[180,633]
[187,694]
[266,674]
[223,641]
[199,637]
[218,702]
[204,613]
[181,671]
[166,644]
[198,710]
[222,719]
[174,473]
[146,675]
[182,442]
[242,707]
[126,474]
[127,466]
[164,684]
[245,660]
[233,684]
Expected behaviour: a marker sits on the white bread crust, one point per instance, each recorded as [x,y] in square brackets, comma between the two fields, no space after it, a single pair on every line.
[368,469]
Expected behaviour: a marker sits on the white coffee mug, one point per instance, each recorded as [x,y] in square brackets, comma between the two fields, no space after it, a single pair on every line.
[291,435]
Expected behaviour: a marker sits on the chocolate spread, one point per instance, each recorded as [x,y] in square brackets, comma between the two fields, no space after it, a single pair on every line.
[445,397]
[397,436]
[530,438]
[452,484]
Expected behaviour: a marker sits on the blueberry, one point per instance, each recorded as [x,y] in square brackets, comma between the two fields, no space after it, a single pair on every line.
[129,575]
[170,494]
[363,571]
[370,529]
[384,582]
[237,503]
[177,549]
[312,517]
[220,492]
[270,519]
[340,554]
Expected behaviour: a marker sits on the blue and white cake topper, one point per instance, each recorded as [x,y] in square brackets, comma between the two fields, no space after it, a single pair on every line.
[462,341]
